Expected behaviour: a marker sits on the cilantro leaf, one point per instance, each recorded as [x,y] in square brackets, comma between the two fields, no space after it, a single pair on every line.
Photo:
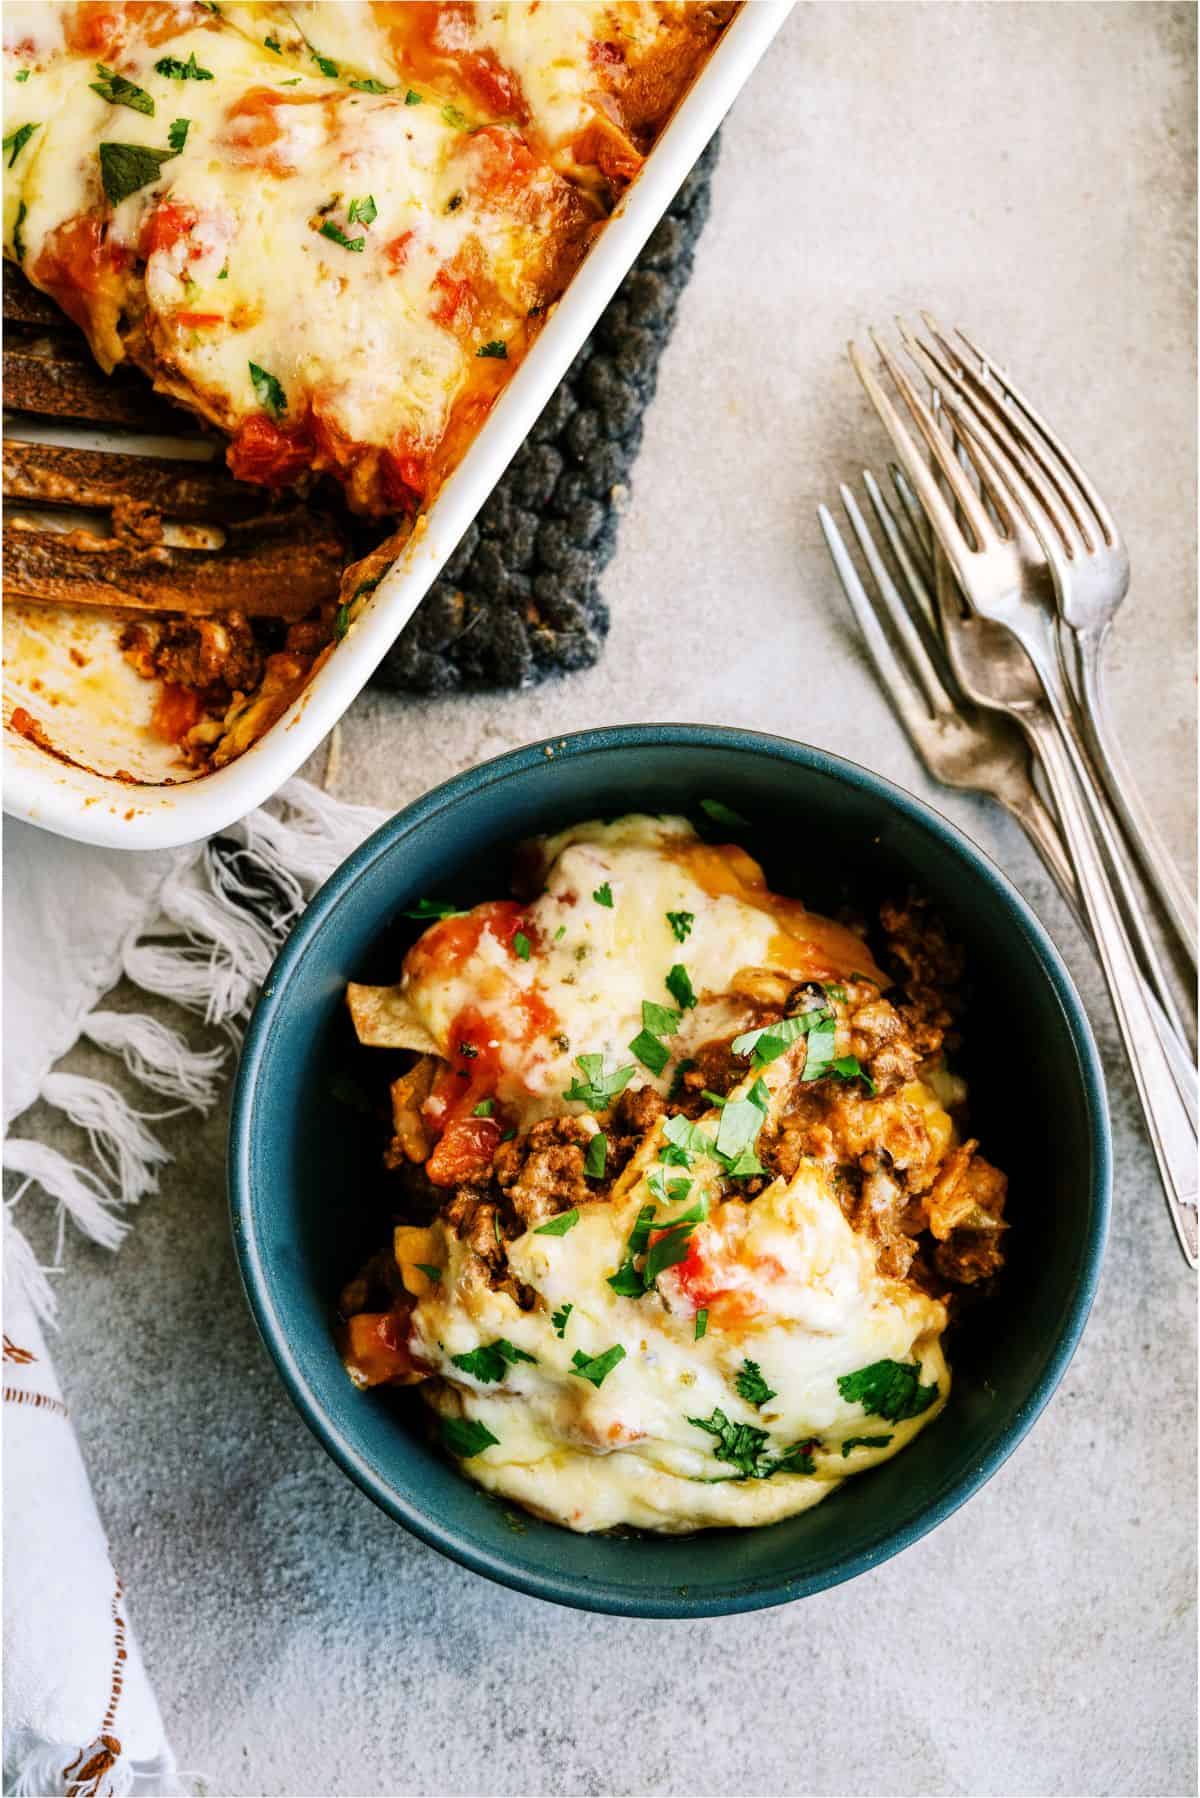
[745,1166]
[681,923]
[23,74]
[559,1320]
[596,1156]
[597,1090]
[596,1368]
[497,350]
[431,908]
[335,234]
[602,894]
[119,92]
[272,43]
[650,1052]
[796,1459]
[491,1361]
[430,1272]
[660,1019]
[268,391]
[740,1445]
[177,132]
[741,1121]
[848,1067]
[124,168]
[627,1282]
[888,1389]
[326,64]
[484,1108]
[174,70]
[701,1323]
[768,1042]
[454,117]
[17,140]
[724,814]
[853,1442]
[668,1249]
[341,622]
[751,1386]
[371,86]
[558,1226]
[412,97]
[364,211]
[18,240]
[464,1437]
[521,946]
[679,985]
[689,1137]
[822,1040]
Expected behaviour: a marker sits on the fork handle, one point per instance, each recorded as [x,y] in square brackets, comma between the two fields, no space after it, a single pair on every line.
[1156,860]
[1037,821]
[1171,1129]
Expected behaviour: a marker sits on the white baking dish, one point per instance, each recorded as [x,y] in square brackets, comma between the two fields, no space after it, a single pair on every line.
[136,814]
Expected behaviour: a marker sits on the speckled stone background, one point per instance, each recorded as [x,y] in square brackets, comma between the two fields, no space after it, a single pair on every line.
[1028,169]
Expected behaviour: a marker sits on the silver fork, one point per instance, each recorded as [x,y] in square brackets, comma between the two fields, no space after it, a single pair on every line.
[961,745]
[999,576]
[1094,580]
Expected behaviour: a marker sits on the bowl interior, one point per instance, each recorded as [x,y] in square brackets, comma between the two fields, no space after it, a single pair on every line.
[306,1180]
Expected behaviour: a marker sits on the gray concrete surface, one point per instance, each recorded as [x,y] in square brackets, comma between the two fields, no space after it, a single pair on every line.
[1028,169]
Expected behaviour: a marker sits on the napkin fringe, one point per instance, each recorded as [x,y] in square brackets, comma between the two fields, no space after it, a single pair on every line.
[222,914]
[37,1769]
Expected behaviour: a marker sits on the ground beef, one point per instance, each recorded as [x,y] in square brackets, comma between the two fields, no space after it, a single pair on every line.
[541,1173]
[209,652]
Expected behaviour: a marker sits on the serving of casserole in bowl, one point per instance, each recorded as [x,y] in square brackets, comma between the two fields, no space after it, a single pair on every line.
[601,1178]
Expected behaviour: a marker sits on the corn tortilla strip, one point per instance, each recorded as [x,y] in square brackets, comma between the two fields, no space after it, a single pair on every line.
[384,1019]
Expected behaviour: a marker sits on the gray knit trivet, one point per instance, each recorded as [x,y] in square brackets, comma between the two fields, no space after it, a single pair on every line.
[519,599]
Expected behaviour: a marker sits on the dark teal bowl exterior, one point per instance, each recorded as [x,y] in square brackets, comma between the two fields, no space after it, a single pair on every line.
[298,1164]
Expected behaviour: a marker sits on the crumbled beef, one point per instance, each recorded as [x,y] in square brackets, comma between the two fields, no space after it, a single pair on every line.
[209,652]
[929,970]
[541,1173]
[715,1069]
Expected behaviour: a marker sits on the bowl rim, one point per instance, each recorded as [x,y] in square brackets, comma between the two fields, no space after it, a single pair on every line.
[668,1601]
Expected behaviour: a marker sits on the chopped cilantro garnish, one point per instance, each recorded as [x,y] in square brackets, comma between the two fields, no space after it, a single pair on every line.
[23,74]
[559,1320]
[224,274]
[603,895]
[717,1099]
[740,1445]
[465,1437]
[560,933]
[341,622]
[769,1041]
[597,1156]
[822,1040]
[335,234]
[16,141]
[627,1282]
[596,1368]
[724,814]
[521,946]
[751,1386]
[484,1108]
[177,132]
[429,1270]
[268,390]
[364,211]
[888,1389]
[490,1362]
[669,1248]
[741,1121]
[327,67]
[796,1459]
[679,985]
[758,1095]
[431,908]
[272,43]
[836,993]
[650,1052]
[412,97]
[454,117]
[853,1442]
[508,1136]
[689,1137]
[597,1090]
[124,168]
[659,1019]
[371,86]
[681,923]
[558,1226]
[701,1322]
[18,240]
[190,70]
[497,350]
[850,1068]
[119,92]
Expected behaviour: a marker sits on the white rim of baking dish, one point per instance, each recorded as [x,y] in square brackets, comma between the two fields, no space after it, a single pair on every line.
[91,808]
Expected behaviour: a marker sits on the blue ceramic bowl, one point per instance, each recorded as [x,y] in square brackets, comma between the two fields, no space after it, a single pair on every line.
[304,1177]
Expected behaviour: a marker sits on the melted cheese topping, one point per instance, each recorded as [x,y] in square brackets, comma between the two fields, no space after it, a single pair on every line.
[785,1281]
[242,252]
[592,965]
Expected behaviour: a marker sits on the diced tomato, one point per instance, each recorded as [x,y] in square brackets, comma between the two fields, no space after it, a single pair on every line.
[164,227]
[405,479]
[376,1348]
[397,251]
[606,146]
[252,121]
[506,164]
[76,263]
[445,946]
[605,54]
[263,452]
[464,1148]
[497,87]
[455,301]
[99,28]
[177,711]
[199,318]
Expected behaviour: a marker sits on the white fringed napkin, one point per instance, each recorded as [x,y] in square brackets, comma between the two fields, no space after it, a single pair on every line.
[200,926]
